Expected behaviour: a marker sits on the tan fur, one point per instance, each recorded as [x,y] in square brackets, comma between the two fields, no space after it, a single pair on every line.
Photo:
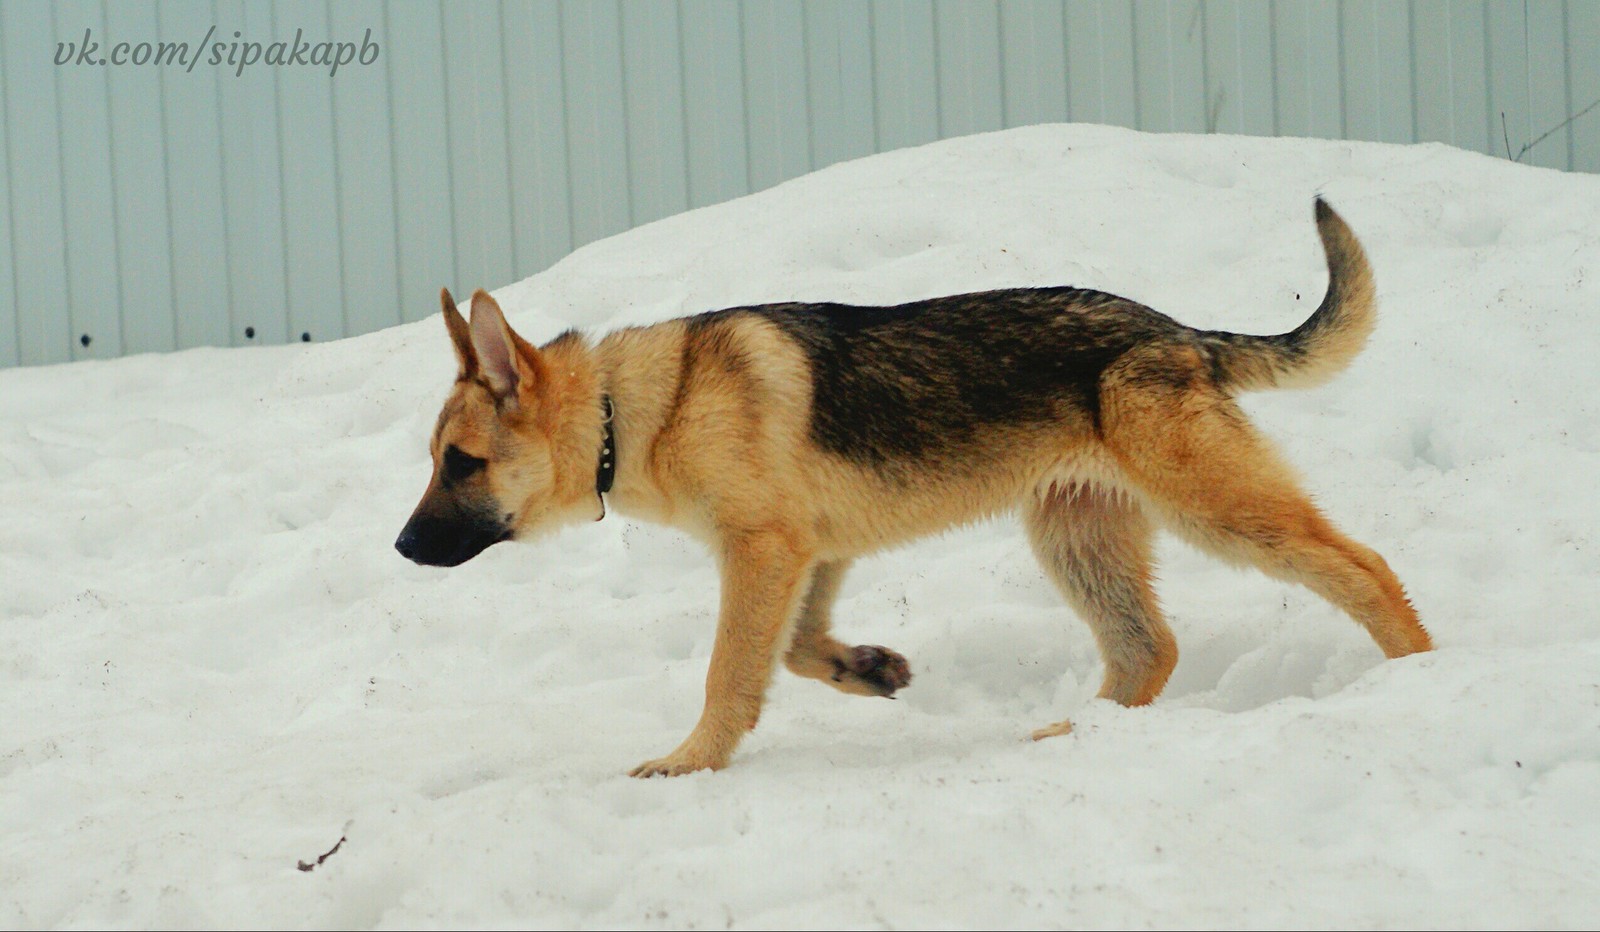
[1333,351]
[712,426]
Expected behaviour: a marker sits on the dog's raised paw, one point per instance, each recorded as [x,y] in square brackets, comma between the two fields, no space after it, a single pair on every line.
[878,670]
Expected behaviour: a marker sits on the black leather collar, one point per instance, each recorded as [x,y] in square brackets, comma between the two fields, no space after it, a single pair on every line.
[606,473]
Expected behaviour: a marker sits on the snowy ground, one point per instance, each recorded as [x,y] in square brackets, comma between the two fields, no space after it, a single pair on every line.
[214,664]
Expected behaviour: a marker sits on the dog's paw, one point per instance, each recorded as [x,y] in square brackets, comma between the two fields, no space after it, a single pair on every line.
[870,670]
[676,765]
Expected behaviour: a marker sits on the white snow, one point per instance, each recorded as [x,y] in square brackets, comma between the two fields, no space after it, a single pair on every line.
[214,664]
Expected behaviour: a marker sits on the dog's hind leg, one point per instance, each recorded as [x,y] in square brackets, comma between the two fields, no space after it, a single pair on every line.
[865,670]
[1221,486]
[1095,542]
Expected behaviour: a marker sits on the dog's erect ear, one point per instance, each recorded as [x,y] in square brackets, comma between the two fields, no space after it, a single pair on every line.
[507,363]
[460,335]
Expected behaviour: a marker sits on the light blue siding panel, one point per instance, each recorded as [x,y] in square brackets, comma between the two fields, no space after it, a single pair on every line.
[1101,85]
[1086,76]
[714,112]
[658,164]
[968,36]
[1505,38]
[1430,42]
[1377,70]
[1394,67]
[1171,74]
[193,147]
[253,181]
[91,241]
[1469,79]
[1306,37]
[1238,65]
[310,181]
[775,91]
[591,48]
[153,206]
[1153,75]
[1253,82]
[475,99]
[1224,103]
[363,139]
[541,212]
[1547,86]
[424,218]
[1363,111]
[1583,34]
[1033,62]
[33,145]
[905,81]
[144,258]
[839,80]
[1293,114]
[9,298]
[1119,85]
[1186,32]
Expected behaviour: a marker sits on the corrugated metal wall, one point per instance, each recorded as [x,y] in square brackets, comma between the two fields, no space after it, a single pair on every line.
[149,208]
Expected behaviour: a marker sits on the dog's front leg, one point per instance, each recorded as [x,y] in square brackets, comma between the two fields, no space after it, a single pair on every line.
[764,574]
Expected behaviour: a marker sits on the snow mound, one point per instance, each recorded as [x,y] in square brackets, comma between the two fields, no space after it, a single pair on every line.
[216,665]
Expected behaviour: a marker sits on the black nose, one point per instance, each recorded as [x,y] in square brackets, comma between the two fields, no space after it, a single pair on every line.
[433,541]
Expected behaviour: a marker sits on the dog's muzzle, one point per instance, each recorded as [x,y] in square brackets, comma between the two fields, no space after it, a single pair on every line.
[432,541]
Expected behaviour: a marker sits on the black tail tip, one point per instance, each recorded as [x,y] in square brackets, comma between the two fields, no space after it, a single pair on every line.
[1324,212]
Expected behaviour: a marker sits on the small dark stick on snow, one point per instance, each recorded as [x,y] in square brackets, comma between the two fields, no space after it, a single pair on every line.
[308,865]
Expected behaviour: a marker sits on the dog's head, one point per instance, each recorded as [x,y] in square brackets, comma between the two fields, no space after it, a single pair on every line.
[495,449]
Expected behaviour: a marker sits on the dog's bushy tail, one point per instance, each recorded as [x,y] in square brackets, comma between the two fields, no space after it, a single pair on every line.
[1329,339]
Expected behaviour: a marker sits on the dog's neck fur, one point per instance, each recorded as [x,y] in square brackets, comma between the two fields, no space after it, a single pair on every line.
[616,366]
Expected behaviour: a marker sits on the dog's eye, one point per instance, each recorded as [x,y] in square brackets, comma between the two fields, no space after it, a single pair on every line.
[459,465]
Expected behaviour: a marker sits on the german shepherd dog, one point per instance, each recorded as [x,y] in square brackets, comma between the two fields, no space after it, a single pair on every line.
[793,438]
